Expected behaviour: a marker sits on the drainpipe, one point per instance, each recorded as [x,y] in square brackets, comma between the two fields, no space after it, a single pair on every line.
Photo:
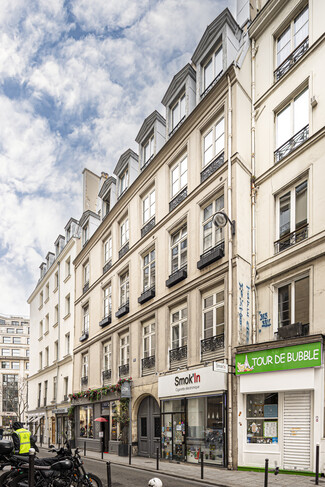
[230,284]
[253,198]
[57,362]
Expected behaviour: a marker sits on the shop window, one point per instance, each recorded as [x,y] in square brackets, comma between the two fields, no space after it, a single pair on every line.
[86,421]
[293,302]
[262,418]
[114,422]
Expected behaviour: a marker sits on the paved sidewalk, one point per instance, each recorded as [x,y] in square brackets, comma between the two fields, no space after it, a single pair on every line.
[212,476]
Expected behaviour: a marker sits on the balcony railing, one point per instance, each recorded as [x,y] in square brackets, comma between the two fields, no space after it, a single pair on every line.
[212,344]
[287,64]
[178,199]
[85,288]
[148,363]
[148,226]
[84,336]
[147,162]
[123,310]
[177,126]
[123,370]
[123,250]
[290,239]
[107,266]
[293,330]
[212,167]
[177,354]
[291,144]
[107,374]
[146,295]
[106,321]
[211,85]
[84,380]
[177,276]
[211,255]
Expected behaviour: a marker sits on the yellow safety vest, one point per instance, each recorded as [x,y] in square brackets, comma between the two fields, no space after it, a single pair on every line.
[24,440]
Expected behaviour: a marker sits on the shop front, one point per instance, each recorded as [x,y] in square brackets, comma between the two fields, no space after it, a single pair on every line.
[193,416]
[280,404]
[61,429]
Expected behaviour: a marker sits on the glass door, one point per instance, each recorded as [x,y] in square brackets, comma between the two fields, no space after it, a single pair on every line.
[167,436]
[179,437]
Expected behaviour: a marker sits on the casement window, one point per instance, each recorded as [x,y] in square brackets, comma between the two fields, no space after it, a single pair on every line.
[293,302]
[20,331]
[17,340]
[124,349]
[149,340]
[179,249]
[212,68]
[56,314]
[178,111]
[108,250]
[27,365]
[149,270]
[47,291]
[213,313]
[15,365]
[6,352]
[292,37]
[47,323]
[56,350]
[124,232]
[39,392]
[45,392]
[67,304]
[41,300]
[212,235]
[66,386]
[292,216]
[15,352]
[7,340]
[178,176]
[124,181]
[85,233]
[292,118]
[67,343]
[10,330]
[56,280]
[179,327]
[40,360]
[124,288]
[55,384]
[107,292]
[47,358]
[67,268]
[107,356]
[86,273]
[84,365]
[148,206]
[107,204]
[5,365]
[148,149]
[85,319]
[214,141]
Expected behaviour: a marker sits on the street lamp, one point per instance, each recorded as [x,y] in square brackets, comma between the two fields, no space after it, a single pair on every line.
[220,220]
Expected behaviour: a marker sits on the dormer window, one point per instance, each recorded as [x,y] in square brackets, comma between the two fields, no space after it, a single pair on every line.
[212,68]
[148,149]
[68,233]
[86,233]
[124,181]
[178,111]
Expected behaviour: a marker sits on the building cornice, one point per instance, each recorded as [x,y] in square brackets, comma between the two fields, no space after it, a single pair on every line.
[265,16]
[56,365]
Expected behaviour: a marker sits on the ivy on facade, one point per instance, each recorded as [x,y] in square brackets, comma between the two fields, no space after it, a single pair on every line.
[96,394]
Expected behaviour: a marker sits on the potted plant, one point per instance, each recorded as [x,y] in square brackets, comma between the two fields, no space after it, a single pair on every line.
[123,419]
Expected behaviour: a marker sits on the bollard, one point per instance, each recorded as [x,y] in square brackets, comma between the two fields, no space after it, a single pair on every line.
[202,474]
[84,448]
[266,474]
[102,445]
[157,458]
[31,469]
[317,465]
[130,454]
[109,479]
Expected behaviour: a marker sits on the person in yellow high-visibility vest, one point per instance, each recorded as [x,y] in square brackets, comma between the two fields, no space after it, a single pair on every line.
[21,439]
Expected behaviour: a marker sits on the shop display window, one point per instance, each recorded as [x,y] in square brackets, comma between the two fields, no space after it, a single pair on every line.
[114,422]
[262,418]
[86,421]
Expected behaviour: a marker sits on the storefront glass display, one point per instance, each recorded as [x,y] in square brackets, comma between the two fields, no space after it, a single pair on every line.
[262,418]
[173,430]
[86,421]
[114,422]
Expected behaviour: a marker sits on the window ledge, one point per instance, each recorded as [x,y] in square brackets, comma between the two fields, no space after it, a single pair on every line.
[123,250]
[67,316]
[178,199]
[40,339]
[177,277]
[146,295]
[67,278]
[46,332]
[46,300]
[105,321]
[212,166]
[55,324]
[123,310]
[55,290]
[211,256]
[84,336]
[40,307]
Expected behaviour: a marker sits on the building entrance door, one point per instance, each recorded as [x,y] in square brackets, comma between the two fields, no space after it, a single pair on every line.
[105,427]
[53,430]
[173,443]
[148,427]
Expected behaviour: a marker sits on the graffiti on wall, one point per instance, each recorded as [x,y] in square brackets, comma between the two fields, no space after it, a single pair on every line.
[265,320]
[244,312]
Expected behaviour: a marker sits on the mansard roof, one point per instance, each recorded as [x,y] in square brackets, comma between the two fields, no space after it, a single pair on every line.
[123,160]
[72,220]
[177,82]
[106,185]
[86,214]
[60,237]
[148,122]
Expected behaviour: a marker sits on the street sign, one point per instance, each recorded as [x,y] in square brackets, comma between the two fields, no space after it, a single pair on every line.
[101,434]
[220,367]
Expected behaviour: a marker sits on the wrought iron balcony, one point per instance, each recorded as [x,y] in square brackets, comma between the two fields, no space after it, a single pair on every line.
[291,144]
[85,288]
[124,370]
[123,250]
[211,255]
[177,126]
[148,226]
[211,85]
[177,276]
[123,310]
[84,380]
[145,164]
[106,321]
[177,354]
[178,199]
[84,336]
[107,374]
[213,167]
[287,64]
[146,295]
[212,344]
[107,266]
[290,239]
[148,363]
[293,330]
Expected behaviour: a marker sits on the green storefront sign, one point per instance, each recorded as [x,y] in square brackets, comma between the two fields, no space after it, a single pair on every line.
[285,358]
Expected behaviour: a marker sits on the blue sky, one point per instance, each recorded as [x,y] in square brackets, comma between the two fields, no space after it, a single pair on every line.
[77,79]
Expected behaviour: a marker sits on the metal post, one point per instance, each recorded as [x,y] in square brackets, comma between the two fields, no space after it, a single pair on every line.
[109,478]
[157,458]
[31,470]
[84,448]
[317,465]
[202,473]
[130,454]
[102,445]
[266,474]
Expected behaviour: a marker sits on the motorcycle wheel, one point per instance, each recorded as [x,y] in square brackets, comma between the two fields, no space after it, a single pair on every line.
[20,481]
[90,481]
[4,477]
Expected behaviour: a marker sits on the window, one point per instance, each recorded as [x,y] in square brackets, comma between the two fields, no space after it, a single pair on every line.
[149,340]
[124,229]
[67,343]
[85,233]
[46,356]
[55,384]
[67,267]
[178,176]
[84,366]
[149,270]
[56,314]
[107,356]
[214,141]
[28,341]
[47,321]
[56,280]
[66,386]
[15,352]
[213,313]
[292,118]
[178,111]
[292,219]
[47,291]
[67,305]
[6,339]
[179,327]
[27,353]
[15,365]
[40,329]
[148,206]
[20,331]
[107,204]
[39,393]
[124,349]
[6,352]
[16,323]
[45,392]
[40,360]
[85,320]
[292,37]
[10,330]
[41,298]
[212,68]
[124,181]
[86,421]
[108,250]
[86,273]
[262,418]
[107,300]
[212,235]
[179,249]
[148,149]
[17,340]
[56,350]
[124,288]
[2,322]
[293,302]
[27,366]
[5,365]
